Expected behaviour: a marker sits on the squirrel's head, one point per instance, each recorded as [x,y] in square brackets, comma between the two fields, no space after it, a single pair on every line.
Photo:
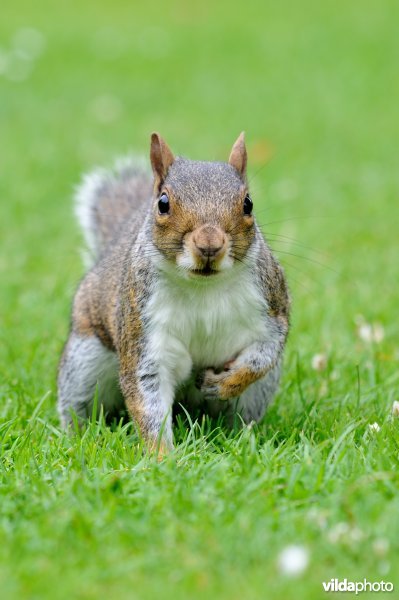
[202,211]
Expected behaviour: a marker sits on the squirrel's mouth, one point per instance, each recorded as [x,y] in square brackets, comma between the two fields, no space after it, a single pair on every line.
[205,271]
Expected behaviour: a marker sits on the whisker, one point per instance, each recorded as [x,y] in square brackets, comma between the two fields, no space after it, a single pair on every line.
[287,265]
[286,252]
[312,260]
[299,282]
[289,240]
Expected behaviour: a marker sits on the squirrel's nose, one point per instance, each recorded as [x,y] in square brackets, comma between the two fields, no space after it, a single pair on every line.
[209,241]
[209,251]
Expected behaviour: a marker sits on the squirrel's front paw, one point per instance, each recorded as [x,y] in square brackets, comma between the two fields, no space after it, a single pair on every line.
[208,382]
[230,383]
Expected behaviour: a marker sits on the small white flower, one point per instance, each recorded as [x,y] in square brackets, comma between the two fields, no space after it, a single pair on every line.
[381,546]
[323,388]
[368,332]
[365,332]
[374,427]
[334,375]
[317,517]
[293,560]
[395,409]
[378,333]
[384,567]
[319,362]
[339,531]
[356,534]
[343,533]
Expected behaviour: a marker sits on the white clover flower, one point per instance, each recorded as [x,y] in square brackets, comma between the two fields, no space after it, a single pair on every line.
[319,362]
[334,375]
[381,547]
[374,427]
[384,567]
[365,332]
[395,409]
[343,533]
[368,332]
[293,560]
[317,517]
[356,534]
[378,333]
[339,531]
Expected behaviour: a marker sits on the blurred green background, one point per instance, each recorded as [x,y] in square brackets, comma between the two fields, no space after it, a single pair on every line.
[315,86]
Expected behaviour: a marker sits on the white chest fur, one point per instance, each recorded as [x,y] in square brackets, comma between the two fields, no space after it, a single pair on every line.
[205,323]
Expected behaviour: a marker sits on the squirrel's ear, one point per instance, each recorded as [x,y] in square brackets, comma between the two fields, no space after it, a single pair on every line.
[238,156]
[161,158]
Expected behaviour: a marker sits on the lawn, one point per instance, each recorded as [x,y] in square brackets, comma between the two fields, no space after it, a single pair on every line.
[315,87]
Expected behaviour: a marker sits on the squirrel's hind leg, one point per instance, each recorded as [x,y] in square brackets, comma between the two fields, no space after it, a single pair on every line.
[87,369]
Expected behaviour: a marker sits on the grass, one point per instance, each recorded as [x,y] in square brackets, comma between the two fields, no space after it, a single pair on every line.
[316,90]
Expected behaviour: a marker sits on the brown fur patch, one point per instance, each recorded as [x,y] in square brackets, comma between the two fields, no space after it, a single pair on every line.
[237,382]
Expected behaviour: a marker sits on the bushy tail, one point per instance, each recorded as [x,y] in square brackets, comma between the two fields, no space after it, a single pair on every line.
[105,199]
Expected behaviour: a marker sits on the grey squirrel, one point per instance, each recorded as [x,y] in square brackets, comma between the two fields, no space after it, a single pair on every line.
[184,301]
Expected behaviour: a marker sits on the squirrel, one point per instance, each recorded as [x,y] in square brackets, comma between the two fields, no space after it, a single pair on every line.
[184,301]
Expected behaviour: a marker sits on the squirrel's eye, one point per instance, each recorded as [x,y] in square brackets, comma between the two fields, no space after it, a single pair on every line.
[163,204]
[247,205]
